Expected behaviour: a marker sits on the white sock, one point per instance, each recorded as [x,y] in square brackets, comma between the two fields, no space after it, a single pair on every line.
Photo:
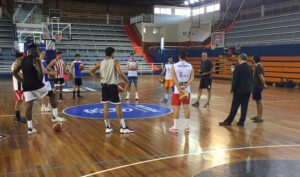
[187,122]
[43,106]
[122,123]
[55,112]
[136,93]
[29,123]
[166,95]
[107,123]
[175,123]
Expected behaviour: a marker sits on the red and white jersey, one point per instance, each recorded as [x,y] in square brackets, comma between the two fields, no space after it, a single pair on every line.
[168,67]
[183,71]
[16,84]
[60,68]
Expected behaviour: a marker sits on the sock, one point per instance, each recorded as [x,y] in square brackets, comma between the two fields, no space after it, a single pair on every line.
[55,112]
[128,94]
[175,123]
[74,93]
[29,123]
[107,123]
[78,92]
[166,96]
[122,122]
[18,115]
[49,105]
[60,96]
[136,93]
[187,122]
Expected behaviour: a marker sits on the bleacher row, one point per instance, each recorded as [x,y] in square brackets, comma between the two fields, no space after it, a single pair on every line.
[277,69]
[282,29]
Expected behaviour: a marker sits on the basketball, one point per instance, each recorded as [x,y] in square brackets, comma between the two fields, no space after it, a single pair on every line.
[81,67]
[162,80]
[121,87]
[183,95]
[57,127]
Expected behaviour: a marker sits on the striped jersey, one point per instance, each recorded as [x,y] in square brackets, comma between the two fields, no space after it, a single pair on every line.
[183,71]
[60,68]
[45,66]
[16,84]
[76,70]
[168,67]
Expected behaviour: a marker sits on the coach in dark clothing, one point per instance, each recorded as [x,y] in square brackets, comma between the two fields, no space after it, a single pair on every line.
[241,89]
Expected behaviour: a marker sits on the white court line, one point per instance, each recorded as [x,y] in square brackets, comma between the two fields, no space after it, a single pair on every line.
[189,154]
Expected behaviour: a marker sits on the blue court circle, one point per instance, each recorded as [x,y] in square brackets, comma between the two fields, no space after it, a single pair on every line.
[130,111]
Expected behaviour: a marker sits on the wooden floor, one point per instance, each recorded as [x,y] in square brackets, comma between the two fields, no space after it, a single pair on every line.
[83,148]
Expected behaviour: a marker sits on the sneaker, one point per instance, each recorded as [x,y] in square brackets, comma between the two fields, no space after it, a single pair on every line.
[127,97]
[21,120]
[164,100]
[254,118]
[187,129]
[58,119]
[206,105]
[31,131]
[47,109]
[43,108]
[137,97]
[126,130]
[196,104]
[173,130]
[258,120]
[108,130]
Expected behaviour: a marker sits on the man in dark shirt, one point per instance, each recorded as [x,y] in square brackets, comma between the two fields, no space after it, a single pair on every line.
[258,86]
[241,89]
[206,68]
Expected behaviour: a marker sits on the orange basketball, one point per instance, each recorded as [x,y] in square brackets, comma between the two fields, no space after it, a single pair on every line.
[57,127]
[121,87]
[162,80]
[183,95]
[81,67]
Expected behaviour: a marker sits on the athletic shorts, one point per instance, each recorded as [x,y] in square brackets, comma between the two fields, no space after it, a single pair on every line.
[110,94]
[78,81]
[177,102]
[59,82]
[205,83]
[257,93]
[48,85]
[36,94]
[169,83]
[19,94]
[132,79]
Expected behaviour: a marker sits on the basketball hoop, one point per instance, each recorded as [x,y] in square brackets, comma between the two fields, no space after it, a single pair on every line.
[57,37]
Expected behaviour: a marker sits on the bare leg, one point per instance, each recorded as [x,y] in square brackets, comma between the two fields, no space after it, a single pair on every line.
[29,106]
[259,109]
[187,114]
[208,98]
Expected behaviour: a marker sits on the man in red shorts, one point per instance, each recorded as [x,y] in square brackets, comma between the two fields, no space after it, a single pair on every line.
[18,89]
[183,75]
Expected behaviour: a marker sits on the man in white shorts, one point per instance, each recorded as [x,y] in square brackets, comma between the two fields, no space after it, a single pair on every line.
[33,85]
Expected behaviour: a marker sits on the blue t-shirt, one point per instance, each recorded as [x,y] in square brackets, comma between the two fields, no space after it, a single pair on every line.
[76,69]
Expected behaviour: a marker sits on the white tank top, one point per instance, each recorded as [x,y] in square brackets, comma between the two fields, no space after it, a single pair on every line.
[17,85]
[108,73]
[168,67]
[132,64]
[183,71]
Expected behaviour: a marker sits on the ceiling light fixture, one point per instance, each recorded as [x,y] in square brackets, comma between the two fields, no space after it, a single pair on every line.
[186,3]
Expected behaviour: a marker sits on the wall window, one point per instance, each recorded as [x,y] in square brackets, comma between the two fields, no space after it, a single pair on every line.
[210,8]
[198,11]
[164,11]
[157,10]
[183,12]
[217,7]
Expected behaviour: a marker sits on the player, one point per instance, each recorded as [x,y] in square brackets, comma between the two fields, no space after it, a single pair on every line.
[183,75]
[18,89]
[46,106]
[110,70]
[33,85]
[59,67]
[133,67]
[169,83]
[206,79]
[76,68]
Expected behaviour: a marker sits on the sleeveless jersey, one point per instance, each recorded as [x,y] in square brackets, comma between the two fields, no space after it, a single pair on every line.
[183,71]
[17,85]
[168,67]
[108,73]
[45,66]
[132,64]
[60,68]
[76,70]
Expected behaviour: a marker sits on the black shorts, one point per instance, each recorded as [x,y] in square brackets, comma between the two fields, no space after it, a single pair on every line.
[110,94]
[59,82]
[205,83]
[256,94]
[78,81]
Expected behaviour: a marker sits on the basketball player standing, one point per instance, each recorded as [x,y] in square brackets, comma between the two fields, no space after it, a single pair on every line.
[167,73]
[133,67]
[110,70]
[183,75]
[76,73]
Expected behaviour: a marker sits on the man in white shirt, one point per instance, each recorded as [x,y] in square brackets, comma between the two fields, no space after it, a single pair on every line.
[183,75]
[167,73]
[133,67]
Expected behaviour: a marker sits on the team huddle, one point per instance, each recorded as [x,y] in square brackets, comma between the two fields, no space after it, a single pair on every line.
[32,75]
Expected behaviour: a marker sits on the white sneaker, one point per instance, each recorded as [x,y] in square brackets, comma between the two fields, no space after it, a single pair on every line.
[108,130]
[43,108]
[58,119]
[47,109]
[127,97]
[31,131]
[137,97]
[126,130]
[49,106]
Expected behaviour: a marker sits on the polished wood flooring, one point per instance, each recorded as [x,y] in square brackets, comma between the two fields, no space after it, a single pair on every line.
[83,148]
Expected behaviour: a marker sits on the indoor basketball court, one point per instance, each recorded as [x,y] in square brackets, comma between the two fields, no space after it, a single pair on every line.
[206,88]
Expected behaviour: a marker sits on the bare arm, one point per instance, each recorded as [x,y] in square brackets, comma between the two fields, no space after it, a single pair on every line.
[262,80]
[120,72]
[191,79]
[38,66]
[51,65]
[94,69]
[137,67]
[72,69]
[16,70]
[175,79]
[163,71]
